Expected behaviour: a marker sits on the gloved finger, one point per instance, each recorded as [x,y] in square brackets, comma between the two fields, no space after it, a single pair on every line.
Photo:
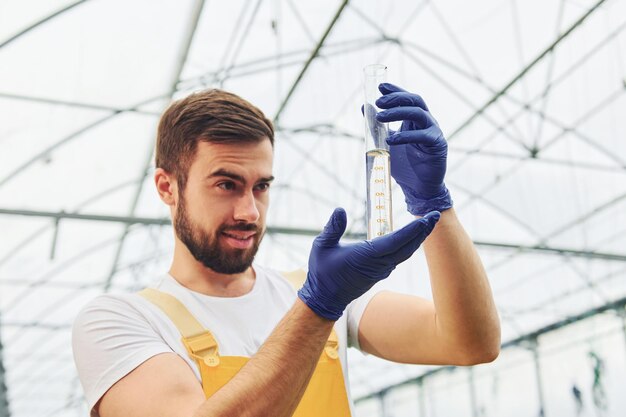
[401,99]
[429,137]
[334,229]
[377,129]
[405,252]
[386,88]
[369,112]
[395,241]
[389,131]
[417,115]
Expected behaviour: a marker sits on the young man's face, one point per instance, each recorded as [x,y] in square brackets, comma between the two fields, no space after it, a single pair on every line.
[220,215]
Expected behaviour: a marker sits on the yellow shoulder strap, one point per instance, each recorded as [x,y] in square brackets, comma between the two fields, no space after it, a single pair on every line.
[296,278]
[184,321]
[198,341]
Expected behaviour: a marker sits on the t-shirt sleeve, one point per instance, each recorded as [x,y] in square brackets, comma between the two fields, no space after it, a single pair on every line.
[110,338]
[355,311]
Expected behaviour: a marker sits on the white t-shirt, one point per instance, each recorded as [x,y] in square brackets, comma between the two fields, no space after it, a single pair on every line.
[114,334]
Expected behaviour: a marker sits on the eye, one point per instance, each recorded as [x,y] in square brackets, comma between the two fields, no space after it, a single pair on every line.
[262,186]
[228,185]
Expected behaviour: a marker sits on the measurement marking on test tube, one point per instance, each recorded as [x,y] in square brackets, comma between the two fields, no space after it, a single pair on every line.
[378,181]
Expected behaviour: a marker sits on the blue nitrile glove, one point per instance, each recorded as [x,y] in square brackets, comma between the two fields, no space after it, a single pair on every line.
[339,273]
[418,150]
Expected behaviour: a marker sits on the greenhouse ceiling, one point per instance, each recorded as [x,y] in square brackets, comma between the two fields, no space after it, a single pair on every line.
[531,96]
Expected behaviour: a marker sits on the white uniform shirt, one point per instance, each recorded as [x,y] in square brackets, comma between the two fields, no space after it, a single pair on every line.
[114,334]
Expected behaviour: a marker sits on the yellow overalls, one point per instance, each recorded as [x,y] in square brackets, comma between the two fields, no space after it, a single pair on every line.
[325,395]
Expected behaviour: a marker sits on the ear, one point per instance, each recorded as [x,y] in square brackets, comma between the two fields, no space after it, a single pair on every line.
[166,186]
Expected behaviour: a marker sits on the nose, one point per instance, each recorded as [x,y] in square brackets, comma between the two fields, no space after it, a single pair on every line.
[246,209]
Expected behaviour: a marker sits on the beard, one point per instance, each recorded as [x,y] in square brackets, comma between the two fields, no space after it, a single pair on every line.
[207,250]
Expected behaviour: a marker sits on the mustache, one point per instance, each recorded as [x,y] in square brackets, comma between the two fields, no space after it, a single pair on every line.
[242,227]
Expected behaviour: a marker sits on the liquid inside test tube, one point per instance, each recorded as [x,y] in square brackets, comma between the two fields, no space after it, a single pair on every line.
[378,193]
[377,160]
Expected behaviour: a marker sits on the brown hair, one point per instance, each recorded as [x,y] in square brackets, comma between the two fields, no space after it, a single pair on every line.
[211,116]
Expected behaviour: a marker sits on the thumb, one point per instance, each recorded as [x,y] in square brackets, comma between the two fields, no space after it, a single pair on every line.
[334,229]
[432,218]
[386,88]
[420,229]
[407,239]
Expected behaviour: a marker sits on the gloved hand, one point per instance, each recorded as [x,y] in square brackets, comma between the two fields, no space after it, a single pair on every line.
[418,150]
[339,273]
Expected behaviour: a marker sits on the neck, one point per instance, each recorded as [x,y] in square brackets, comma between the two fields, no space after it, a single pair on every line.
[193,275]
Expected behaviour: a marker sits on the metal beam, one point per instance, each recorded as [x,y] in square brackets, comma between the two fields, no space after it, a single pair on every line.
[36,325]
[76,104]
[4,398]
[39,23]
[87,217]
[525,70]
[617,305]
[549,249]
[313,55]
[155,221]
[246,32]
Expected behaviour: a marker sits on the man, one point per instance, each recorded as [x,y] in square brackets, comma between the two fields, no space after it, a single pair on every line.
[219,336]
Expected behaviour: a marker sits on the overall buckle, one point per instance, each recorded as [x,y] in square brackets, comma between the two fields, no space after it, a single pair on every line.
[203,347]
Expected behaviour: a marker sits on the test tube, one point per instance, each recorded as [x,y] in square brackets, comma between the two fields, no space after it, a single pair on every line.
[377,160]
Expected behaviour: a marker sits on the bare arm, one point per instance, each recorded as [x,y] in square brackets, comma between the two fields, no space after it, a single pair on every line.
[466,315]
[460,326]
[271,383]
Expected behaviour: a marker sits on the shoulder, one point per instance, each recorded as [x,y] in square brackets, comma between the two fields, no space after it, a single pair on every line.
[110,307]
[111,336]
[107,301]
[111,319]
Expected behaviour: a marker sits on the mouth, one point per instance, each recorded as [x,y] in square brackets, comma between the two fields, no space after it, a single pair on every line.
[241,235]
[239,239]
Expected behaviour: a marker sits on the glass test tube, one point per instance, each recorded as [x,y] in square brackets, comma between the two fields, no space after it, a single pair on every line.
[379,221]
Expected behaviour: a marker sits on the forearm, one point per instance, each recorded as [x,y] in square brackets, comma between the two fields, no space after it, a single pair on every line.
[466,316]
[275,378]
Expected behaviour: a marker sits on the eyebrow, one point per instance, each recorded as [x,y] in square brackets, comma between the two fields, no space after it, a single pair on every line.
[224,173]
